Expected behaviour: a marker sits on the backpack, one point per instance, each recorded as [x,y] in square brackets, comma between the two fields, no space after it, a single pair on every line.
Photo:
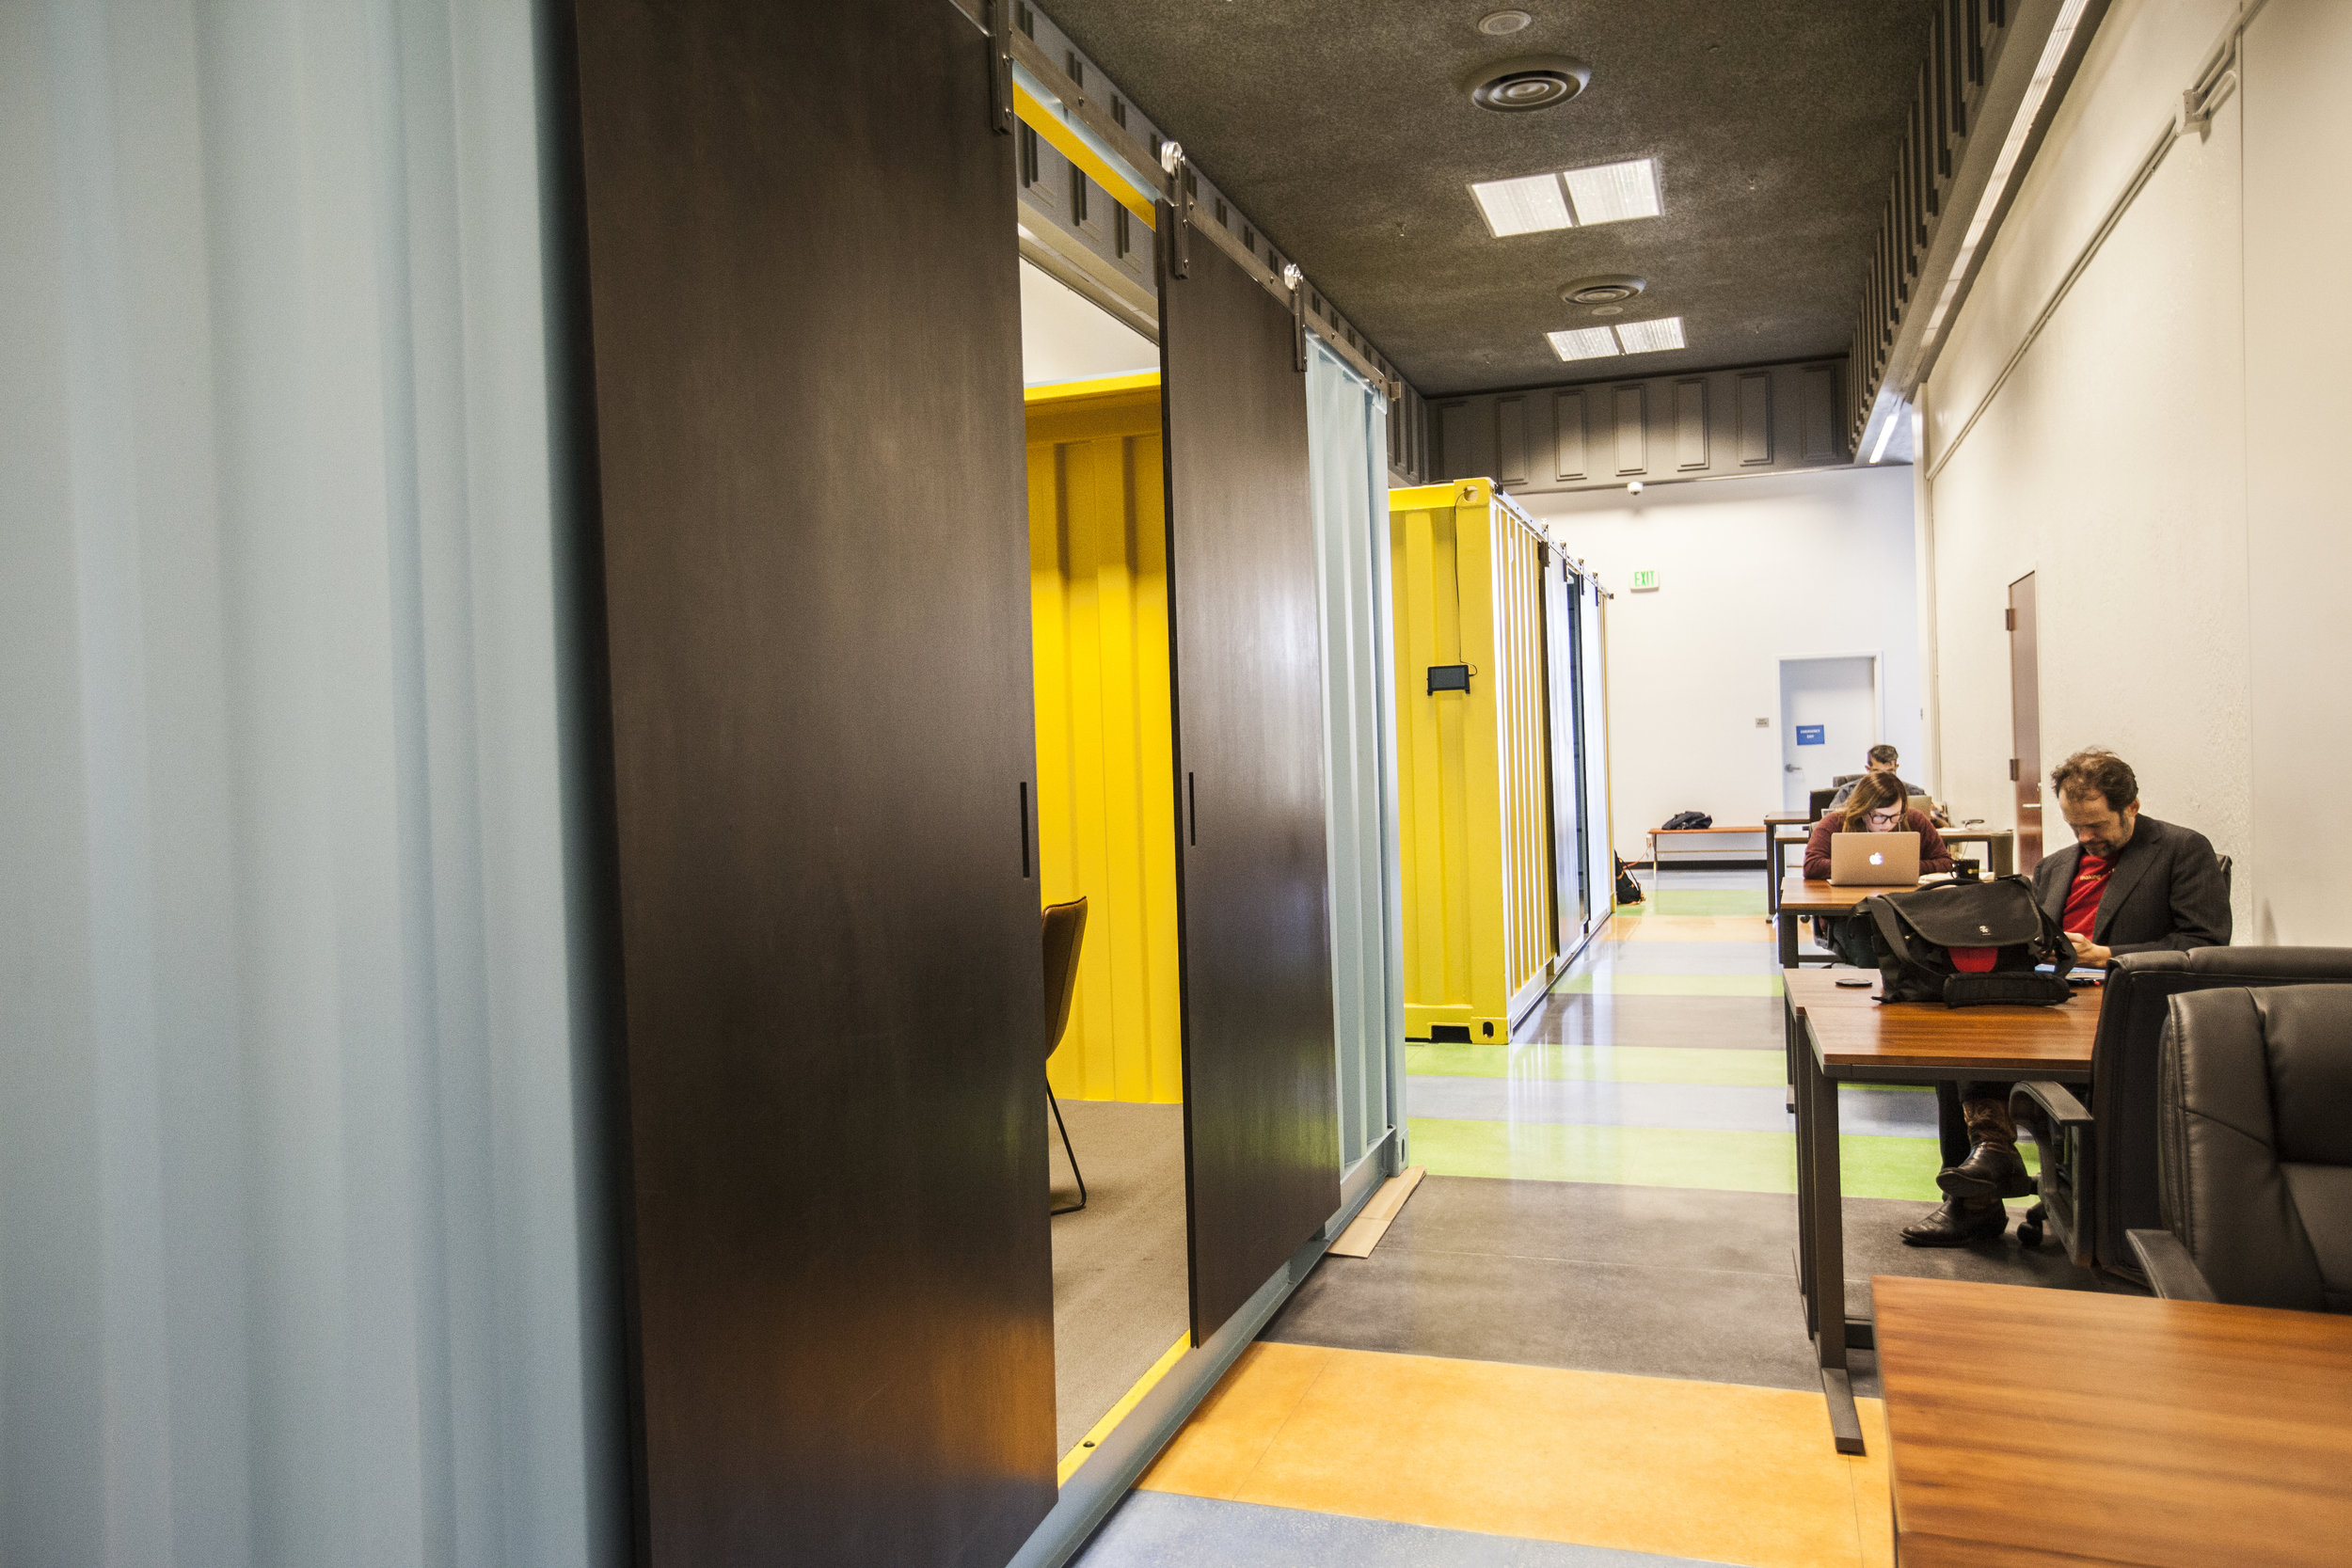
[1967,944]
[1629,891]
[1686,820]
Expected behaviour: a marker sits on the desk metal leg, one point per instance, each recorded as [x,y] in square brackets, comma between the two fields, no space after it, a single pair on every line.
[1794,1032]
[1772,870]
[1829,1253]
[1788,939]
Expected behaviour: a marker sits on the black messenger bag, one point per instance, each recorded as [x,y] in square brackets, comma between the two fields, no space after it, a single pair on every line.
[1967,944]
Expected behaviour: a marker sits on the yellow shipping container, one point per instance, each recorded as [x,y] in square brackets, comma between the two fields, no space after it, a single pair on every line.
[1473,760]
[1107,783]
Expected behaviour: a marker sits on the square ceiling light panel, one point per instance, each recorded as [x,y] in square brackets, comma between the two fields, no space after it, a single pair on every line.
[1612,193]
[1650,336]
[1590,342]
[1527,206]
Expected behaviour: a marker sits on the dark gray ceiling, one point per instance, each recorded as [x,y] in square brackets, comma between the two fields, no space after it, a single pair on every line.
[1339,127]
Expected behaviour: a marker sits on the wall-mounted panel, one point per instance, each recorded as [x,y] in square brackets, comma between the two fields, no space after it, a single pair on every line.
[1511,441]
[1568,427]
[1631,404]
[1689,425]
[1817,402]
[1764,418]
[1752,400]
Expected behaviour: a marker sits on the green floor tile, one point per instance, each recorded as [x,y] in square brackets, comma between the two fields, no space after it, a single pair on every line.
[1665,1157]
[1705,901]
[1613,1064]
[1611,983]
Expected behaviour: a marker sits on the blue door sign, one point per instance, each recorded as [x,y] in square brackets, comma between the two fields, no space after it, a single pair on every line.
[1809,735]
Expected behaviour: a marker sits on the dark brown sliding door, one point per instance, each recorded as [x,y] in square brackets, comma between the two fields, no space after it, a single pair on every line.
[1261,1093]
[804,318]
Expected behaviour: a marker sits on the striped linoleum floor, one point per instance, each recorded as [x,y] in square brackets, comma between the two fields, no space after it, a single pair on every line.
[1581,1344]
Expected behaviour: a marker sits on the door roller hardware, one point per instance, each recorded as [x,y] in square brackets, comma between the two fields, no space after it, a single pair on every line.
[1181,186]
[1000,110]
[1448,677]
[1295,281]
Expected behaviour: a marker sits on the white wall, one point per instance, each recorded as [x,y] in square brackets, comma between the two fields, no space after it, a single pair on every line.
[2154,455]
[1067,336]
[1746,568]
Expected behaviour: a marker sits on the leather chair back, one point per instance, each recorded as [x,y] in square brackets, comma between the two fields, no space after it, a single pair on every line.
[2256,1121]
[2124,1069]
[1065,929]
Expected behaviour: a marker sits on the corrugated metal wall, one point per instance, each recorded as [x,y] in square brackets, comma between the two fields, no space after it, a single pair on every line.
[1106,805]
[1474,770]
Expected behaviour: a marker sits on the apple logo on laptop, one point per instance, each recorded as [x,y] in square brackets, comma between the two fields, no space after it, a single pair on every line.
[1876,858]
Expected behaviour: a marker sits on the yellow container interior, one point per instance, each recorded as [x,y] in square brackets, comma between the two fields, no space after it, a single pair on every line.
[1106,790]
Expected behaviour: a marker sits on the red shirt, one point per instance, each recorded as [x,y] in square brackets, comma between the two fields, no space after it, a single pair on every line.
[2082,895]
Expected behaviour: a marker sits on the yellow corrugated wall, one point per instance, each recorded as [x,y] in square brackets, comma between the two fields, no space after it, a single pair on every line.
[1473,767]
[1106,804]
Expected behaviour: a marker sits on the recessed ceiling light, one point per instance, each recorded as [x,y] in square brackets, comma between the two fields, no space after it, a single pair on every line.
[1650,336]
[1494,23]
[1612,193]
[1536,82]
[1525,206]
[1583,343]
[1610,288]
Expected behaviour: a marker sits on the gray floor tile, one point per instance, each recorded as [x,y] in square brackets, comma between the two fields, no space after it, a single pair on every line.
[1653,1281]
[1164,1529]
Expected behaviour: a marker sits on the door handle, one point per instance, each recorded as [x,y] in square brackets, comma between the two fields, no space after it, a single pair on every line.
[1792,767]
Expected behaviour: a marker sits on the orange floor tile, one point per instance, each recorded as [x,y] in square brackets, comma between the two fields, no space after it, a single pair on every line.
[1717,1472]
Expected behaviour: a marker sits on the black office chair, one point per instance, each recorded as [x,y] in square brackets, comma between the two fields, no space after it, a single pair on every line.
[1065,930]
[1818,802]
[2099,1167]
[2256,1128]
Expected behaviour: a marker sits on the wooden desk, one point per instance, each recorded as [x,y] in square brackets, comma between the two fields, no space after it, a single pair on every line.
[2000,847]
[1843,1036]
[2064,1427]
[1799,897]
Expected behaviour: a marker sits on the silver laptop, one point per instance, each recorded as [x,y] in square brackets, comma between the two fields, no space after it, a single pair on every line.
[1873,860]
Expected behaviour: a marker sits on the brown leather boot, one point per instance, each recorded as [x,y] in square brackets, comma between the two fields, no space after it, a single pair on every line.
[1992,1168]
[1958,1222]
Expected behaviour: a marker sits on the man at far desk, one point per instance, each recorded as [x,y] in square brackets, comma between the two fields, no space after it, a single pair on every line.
[2128,885]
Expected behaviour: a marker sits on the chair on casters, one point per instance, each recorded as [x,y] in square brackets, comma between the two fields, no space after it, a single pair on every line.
[1065,928]
[2256,1139]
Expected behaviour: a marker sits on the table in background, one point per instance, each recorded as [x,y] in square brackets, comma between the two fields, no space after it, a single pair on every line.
[1694,833]
[1773,844]
[1839,1035]
[2068,1428]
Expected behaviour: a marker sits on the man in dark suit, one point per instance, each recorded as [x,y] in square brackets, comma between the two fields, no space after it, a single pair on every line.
[2128,885]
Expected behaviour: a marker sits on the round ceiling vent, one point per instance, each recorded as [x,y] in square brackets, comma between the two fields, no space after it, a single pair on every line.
[1537,81]
[1615,289]
[1496,24]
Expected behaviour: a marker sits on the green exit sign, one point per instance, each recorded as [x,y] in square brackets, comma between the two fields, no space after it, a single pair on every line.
[1645,581]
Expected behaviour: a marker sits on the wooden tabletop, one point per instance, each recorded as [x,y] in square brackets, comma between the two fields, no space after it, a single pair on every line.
[1796,819]
[1799,896]
[1927,1036]
[2069,1427]
[1809,988]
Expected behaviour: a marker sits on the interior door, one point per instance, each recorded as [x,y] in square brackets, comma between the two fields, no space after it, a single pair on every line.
[1564,721]
[1260,1092]
[1829,721]
[2025,710]
[803,314]
[1592,686]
